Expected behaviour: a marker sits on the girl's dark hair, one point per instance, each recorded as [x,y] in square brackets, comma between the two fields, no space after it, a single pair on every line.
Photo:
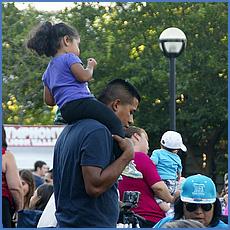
[4,143]
[27,176]
[46,38]
[179,213]
[119,89]
[44,193]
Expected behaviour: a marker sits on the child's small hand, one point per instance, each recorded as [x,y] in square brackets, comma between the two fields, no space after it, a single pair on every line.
[91,62]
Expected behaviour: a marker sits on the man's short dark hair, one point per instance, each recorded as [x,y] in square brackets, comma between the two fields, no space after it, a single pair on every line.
[39,164]
[119,89]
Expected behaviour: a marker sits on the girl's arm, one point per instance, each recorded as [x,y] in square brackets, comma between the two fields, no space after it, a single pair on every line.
[48,97]
[13,181]
[81,74]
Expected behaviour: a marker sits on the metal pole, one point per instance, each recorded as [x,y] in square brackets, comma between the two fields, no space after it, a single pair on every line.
[172,93]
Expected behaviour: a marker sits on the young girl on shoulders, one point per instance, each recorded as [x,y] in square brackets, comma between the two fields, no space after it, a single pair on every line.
[66,80]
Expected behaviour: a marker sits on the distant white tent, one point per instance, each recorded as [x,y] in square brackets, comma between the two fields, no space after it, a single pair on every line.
[32,143]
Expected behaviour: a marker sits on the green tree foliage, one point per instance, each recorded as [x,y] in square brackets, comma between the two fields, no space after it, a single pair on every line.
[123,37]
[22,88]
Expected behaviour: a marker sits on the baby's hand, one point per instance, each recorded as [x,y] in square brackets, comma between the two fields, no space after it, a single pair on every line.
[91,62]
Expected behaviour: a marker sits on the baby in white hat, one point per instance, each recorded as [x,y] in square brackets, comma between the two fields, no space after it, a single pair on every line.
[168,163]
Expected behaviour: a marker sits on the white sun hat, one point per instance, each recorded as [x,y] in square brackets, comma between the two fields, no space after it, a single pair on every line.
[173,140]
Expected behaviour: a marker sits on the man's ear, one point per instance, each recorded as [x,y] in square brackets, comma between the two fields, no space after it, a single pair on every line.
[115,105]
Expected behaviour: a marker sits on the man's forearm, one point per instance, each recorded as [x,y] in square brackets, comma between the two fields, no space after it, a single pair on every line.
[98,181]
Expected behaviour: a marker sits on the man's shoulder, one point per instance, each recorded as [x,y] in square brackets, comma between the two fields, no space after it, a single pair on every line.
[38,180]
[88,123]
[85,126]
[36,176]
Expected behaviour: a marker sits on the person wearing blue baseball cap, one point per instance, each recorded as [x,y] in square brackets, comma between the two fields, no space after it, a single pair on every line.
[198,201]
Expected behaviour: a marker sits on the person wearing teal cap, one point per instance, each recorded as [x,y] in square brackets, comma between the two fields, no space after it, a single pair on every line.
[198,201]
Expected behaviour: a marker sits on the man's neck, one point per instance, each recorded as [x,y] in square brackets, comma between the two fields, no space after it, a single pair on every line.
[37,174]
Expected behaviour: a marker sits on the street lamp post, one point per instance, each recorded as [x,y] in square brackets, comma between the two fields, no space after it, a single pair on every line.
[172,42]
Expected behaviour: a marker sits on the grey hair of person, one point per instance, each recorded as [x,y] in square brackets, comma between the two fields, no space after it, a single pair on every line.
[188,223]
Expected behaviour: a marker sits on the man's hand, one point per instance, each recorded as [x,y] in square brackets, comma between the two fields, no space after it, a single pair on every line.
[126,145]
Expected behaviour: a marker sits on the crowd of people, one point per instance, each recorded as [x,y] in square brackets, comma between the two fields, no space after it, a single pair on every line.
[20,194]
[195,198]
[197,204]
[100,155]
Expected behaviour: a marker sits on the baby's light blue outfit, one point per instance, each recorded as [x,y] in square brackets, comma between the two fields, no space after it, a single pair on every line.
[168,164]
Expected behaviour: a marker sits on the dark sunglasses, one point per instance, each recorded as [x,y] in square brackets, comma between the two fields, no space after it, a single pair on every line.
[190,207]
